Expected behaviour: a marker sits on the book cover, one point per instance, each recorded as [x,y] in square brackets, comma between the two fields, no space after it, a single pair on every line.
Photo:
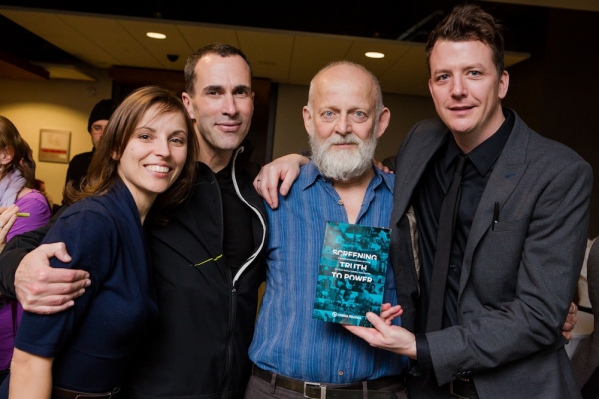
[351,277]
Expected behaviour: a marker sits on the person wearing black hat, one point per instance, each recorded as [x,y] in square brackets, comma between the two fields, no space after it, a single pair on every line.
[95,126]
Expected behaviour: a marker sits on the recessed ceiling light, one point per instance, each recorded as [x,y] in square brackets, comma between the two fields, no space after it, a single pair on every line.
[374,54]
[156,35]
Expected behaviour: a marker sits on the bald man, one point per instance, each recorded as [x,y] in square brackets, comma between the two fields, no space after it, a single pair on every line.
[295,356]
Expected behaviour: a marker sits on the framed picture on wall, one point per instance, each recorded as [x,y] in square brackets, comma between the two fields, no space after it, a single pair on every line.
[55,146]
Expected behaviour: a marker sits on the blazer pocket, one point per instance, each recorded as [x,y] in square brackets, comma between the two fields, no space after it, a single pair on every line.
[497,258]
[512,225]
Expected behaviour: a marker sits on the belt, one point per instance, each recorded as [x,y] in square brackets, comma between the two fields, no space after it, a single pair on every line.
[318,390]
[463,388]
[68,394]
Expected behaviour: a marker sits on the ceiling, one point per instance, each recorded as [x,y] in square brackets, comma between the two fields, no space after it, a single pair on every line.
[285,42]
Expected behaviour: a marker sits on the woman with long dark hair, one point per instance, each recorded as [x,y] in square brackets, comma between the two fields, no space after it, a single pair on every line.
[17,180]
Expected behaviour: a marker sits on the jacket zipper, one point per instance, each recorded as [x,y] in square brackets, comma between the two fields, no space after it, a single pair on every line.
[232,306]
[257,212]
[229,361]
[233,299]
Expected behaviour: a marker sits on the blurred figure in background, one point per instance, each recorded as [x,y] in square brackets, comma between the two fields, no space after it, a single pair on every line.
[95,126]
[584,303]
[17,179]
[40,186]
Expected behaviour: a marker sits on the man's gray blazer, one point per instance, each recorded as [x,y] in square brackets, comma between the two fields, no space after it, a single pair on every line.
[517,279]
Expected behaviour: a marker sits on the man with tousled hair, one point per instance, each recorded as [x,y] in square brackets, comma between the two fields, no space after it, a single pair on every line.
[519,235]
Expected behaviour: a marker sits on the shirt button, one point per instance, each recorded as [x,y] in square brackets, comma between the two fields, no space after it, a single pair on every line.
[340,202]
[452,266]
[340,372]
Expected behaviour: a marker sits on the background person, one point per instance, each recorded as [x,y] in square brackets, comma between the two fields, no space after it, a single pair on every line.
[584,302]
[149,149]
[17,179]
[40,186]
[98,119]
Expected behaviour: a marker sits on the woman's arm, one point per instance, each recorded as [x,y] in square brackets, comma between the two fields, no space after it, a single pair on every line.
[30,376]
[42,337]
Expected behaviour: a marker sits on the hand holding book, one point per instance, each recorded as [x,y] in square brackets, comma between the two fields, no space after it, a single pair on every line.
[388,312]
[385,336]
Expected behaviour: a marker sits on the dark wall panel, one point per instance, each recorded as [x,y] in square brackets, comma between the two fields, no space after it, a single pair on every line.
[556,91]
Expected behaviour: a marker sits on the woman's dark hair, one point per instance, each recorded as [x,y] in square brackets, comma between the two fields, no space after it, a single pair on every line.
[21,157]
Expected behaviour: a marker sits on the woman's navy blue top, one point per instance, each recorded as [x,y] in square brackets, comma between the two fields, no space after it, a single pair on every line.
[94,341]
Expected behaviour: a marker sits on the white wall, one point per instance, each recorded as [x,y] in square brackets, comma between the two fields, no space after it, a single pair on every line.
[291,136]
[53,104]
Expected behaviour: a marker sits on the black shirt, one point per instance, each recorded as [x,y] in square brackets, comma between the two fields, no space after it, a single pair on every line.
[427,201]
[238,239]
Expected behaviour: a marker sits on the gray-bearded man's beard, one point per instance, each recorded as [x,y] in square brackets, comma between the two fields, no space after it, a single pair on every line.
[342,165]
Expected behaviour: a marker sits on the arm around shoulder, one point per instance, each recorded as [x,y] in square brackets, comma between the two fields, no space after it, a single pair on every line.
[25,273]
[285,169]
[13,253]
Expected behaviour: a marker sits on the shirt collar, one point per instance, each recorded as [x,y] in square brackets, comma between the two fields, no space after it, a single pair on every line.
[486,153]
[310,174]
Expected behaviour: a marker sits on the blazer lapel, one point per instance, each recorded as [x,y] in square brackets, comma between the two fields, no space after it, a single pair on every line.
[413,159]
[507,172]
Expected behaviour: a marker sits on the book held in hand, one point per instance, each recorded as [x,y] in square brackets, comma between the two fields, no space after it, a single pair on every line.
[351,277]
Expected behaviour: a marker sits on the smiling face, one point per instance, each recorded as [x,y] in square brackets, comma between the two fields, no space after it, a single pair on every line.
[467,91]
[342,122]
[154,155]
[222,105]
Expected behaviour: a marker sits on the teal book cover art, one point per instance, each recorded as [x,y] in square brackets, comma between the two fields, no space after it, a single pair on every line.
[351,277]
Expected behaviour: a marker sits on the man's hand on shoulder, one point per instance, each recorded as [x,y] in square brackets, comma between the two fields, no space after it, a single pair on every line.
[285,169]
[43,289]
[387,165]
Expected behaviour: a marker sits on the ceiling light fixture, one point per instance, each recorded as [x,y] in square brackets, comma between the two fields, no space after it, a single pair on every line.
[156,35]
[374,54]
